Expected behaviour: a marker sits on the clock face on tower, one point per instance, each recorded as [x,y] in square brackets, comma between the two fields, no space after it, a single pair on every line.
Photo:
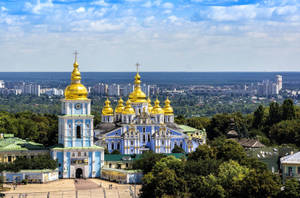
[78,106]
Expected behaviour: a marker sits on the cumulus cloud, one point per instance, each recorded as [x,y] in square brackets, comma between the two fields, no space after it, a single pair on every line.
[168,5]
[36,8]
[100,3]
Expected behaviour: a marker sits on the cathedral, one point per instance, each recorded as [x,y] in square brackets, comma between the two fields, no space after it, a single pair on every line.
[138,126]
[76,153]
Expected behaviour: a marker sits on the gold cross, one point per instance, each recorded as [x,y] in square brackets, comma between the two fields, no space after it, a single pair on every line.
[137,67]
[75,53]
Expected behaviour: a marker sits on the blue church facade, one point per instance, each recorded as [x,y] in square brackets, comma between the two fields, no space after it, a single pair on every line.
[76,153]
[138,126]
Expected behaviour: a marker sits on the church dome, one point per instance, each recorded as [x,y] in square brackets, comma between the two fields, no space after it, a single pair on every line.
[149,105]
[168,110]
[120,106]
[76,90]
[157,109]
[107,110]
[128,109]
[137,95]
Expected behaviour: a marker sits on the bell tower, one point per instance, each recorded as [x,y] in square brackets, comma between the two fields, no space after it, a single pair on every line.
[76,121]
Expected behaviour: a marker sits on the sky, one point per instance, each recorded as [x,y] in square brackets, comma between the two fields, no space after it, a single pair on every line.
[162,35]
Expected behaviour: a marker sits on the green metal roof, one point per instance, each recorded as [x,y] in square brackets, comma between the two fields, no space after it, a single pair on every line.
[16,144]
[133,157]
[60,147]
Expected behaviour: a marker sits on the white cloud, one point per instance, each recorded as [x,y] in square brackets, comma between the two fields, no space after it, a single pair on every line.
[80,10]
[167,12]
[168,5]
[148,4]
[100,3]
[3,8]
[149,19]
[39,6]
[173,18]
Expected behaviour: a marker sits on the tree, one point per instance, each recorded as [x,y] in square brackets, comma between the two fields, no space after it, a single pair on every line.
[165,179]
[274,113]
[288,110]
[291,189]
[228,150]
[258,117]
[286,132]
[115,152]
[203,152]
[206,187]
[147,161]
[177,149]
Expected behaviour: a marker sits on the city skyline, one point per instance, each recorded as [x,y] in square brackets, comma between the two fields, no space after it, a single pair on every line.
[163,35]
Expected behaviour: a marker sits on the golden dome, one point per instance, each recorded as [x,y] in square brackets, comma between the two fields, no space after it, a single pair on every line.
[128,109]
[157,109]
[137,95]
[168,109]
[107,110]
[149,105]
[76,90]
[120,106]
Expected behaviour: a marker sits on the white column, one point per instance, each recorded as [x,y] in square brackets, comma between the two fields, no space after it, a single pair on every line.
[83,132]
[73,132]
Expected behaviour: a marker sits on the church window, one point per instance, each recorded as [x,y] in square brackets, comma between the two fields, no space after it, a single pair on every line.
[70,125]
[73,154]
[9,158]
[162,142]
[59,165]
[126,165]
[78,132]
[109,165]
[148,137]
[131,142]
[85,154]
[118,146]
[112,146]
[144,138]
[79,154]
[181,144]
[144,129]
[87,125]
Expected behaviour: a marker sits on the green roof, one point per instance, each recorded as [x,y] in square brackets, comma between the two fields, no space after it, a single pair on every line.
[188,129]
[133,157]
[60,147]
[17,144]
[122,170]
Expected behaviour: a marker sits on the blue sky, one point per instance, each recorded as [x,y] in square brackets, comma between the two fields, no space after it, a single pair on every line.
[163,35]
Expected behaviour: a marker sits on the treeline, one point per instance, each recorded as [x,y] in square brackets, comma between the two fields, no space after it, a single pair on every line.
[41,128]
[219,170]
[274,124]
[37,163]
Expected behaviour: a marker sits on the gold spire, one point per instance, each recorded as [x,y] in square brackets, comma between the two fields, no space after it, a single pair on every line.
[157,109]
[107,110]
[137,95]
[128,108]
[149,105]
[76,91]
[168,109]
[120,107]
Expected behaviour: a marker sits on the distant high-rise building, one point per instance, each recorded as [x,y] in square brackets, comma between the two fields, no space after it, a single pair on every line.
[2,84]
[279,82]
[113,90]
[100,89]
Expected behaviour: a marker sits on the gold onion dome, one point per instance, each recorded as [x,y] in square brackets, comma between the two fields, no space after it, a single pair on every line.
[137,95]
[120,106]
[149,105]
[76,91]
[107,110]
[168,109]
[157,109]
[128,108]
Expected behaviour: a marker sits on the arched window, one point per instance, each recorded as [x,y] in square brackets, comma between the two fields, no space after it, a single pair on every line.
[144,138]
[78,132]
[118,146]
[112,146]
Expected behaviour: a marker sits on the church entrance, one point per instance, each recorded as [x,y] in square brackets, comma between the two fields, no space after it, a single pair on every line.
[78,173]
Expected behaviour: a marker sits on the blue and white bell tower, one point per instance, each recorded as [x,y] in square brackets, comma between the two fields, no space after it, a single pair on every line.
[76,153]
